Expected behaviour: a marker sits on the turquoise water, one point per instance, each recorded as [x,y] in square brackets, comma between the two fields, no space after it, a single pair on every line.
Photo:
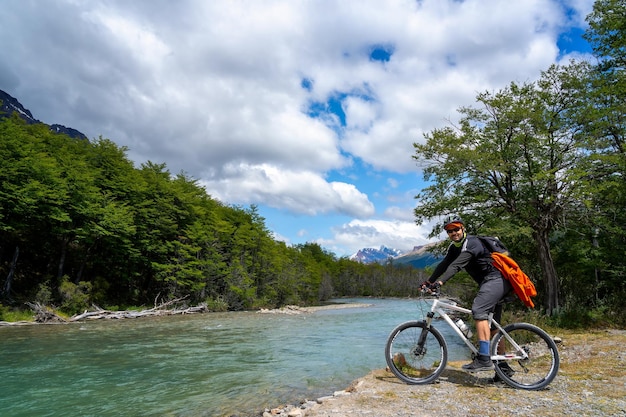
[216,364]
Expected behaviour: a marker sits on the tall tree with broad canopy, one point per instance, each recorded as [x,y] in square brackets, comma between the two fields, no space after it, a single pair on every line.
[606,129]
[515,159]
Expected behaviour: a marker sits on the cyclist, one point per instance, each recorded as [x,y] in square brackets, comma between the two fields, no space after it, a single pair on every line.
[467,252]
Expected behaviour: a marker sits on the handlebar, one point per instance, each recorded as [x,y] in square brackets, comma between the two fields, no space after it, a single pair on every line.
[435,291]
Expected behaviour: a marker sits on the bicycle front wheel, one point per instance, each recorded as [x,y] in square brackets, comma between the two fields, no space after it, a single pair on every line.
[540,366]
[414,362]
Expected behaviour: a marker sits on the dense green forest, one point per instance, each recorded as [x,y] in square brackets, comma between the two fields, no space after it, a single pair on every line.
[79,224]
[541,165]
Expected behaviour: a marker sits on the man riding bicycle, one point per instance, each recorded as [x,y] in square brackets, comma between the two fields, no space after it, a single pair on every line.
[467,252]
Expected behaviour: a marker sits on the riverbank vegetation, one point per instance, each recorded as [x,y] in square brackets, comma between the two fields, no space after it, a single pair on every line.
[80,225]
[541,165]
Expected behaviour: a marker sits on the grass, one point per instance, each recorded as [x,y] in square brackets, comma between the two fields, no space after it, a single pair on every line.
[15,315]
[594,362]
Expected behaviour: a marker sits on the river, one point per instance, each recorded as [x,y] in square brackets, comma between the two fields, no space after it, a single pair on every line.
[215,364]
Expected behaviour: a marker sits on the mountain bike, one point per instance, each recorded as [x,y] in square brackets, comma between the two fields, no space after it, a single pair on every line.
[417,353]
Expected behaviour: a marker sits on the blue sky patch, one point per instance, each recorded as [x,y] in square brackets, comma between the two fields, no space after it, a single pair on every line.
[307,84]
[381,53]
[333,106]
[572,41]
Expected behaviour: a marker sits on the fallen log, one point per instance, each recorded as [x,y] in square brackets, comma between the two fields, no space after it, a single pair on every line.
[45,314]
[157,310]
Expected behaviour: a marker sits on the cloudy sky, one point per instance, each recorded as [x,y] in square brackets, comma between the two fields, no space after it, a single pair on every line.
[306,108]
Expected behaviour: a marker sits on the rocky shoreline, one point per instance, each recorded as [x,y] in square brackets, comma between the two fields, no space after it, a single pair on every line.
[591,382]
[293,309]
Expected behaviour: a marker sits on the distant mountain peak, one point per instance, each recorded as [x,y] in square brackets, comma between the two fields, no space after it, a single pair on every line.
[418,257]
[10,105]
[370,255]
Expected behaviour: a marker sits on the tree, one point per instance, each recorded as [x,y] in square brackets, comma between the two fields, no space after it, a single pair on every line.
[607,36]
[513,161]
[606,133]
[607,33]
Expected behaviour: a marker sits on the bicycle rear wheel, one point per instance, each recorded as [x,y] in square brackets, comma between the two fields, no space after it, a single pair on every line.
[414,363]
[542,364]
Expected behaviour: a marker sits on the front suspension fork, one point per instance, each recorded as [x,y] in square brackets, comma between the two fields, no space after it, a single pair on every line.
[422,339]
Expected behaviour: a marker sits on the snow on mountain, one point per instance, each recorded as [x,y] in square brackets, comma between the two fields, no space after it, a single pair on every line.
[418,257]
[10,105]
[370,255]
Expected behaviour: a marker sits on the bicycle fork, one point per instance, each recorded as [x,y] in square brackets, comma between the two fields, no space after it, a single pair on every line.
[419,349]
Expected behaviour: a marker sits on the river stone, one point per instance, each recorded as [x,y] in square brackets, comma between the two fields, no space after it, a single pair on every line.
[296,412]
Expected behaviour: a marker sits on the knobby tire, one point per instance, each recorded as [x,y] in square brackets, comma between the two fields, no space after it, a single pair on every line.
[539,369]
[411,363]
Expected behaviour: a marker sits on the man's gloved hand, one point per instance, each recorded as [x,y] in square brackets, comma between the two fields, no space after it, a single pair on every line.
[431,286]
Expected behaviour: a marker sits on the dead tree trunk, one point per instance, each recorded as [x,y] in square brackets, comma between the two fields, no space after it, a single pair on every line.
[6,288]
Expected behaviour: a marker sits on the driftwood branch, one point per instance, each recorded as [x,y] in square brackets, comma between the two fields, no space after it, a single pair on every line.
[157,310]
[168,303]
[44,314]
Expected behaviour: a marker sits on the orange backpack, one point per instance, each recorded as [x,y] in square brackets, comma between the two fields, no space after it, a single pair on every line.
[522,285]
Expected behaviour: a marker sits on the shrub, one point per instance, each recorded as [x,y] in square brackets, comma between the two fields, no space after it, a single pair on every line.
[217,304]
[75,298]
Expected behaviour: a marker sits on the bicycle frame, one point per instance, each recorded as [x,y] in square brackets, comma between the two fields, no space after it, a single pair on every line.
[440,307]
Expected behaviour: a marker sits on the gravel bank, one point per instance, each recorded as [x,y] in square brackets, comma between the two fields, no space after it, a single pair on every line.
[591,382]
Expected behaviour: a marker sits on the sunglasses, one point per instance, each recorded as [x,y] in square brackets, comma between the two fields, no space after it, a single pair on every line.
[453,230]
